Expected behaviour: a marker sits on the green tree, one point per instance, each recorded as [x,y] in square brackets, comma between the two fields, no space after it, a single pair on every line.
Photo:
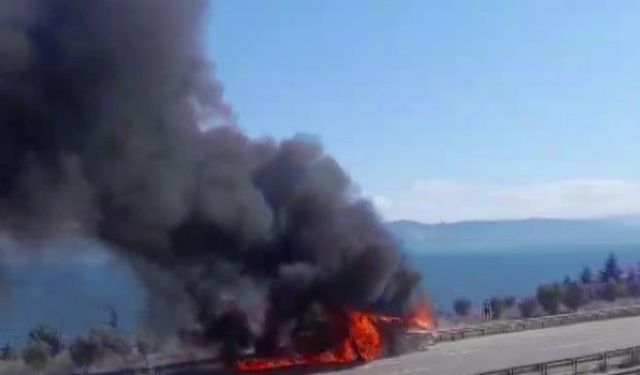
[36,354]
[461,306]
[630,276]
[113,317]
[612,290]
[611,270]
[509,302]
[574,296]
[633,284]
[528,307]
[586,276]
[109,340]
[48,335]
[84,353]
[548,296]
[146,345]
[8,352]
[497,307]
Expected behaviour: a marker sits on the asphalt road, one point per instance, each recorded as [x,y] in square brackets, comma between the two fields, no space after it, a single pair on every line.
[501,351]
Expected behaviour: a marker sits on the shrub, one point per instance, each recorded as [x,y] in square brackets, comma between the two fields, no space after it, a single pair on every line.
[36,354]
[611,271]
[632,283]
[8,353]
[528,307]
[497,307]
[462,306]
[612,290]
[113,317]
[109,341]
[574,296]
[48,335]
[84,353]
[586,276]
[549,297]
[146,345]
[509,302]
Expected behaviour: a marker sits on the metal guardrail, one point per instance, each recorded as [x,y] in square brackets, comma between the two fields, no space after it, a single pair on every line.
[593,363]
[629,372]
[517,325]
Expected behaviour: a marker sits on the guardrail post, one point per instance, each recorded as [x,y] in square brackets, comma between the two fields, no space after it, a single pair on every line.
[605,365]
[575,366]
[543,369]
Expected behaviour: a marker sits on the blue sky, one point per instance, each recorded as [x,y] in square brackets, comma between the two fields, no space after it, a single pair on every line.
[445,111]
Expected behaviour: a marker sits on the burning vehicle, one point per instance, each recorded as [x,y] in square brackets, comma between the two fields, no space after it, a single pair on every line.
[349,338]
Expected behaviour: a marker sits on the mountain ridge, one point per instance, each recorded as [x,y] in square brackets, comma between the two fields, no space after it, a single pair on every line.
[511,234]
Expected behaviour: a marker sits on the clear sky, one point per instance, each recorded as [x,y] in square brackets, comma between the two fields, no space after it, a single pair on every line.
[448,110]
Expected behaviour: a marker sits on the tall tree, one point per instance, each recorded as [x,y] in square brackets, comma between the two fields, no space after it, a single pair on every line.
[462,306]
[586,276]
[549,297]
[113,317]
[574,296]
[497,307]
[633,284]
[528,307]
[611,270]
[631,276]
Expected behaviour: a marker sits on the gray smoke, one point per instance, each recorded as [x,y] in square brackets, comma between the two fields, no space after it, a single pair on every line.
[103,110]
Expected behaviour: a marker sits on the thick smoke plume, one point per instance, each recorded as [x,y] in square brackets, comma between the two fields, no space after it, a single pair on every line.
[112,125]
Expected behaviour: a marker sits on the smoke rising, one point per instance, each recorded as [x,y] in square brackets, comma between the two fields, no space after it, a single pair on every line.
[102,112]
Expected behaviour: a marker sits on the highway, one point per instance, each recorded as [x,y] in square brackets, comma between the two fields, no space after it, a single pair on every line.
[501,351]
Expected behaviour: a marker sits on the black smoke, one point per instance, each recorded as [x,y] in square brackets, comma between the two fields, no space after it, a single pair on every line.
[112,125]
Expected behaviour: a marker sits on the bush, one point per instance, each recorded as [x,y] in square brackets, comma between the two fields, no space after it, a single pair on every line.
[146,345]
[528,307]
[84,353]
[574,296]
[611,271]
[462,306]
[509,302]
[109,341]
[497,307]
[48,335]
[612,290]
[36,354]
[8,353]
[586,276]
[549,297]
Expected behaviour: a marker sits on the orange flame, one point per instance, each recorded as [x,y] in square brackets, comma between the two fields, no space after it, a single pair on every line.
[363,342]
[421,318]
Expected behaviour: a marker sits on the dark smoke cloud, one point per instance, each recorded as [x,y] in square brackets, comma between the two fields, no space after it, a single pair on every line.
[102,109]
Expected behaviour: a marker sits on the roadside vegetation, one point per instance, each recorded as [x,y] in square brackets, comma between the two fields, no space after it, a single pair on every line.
[46,352]
[589,288]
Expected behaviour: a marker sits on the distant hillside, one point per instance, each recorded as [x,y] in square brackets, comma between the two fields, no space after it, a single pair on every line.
[496,235]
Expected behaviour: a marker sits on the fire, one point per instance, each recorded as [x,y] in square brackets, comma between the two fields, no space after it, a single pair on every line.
[421,318]
[363,342]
